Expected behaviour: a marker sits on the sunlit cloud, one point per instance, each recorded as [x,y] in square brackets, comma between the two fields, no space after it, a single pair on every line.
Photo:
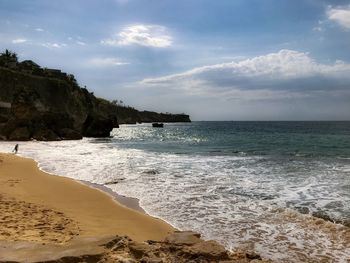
[280,65]
[103,62]
[143,35]
[81,43]
[340,15]
[54,45]
[19,40]
[287,73]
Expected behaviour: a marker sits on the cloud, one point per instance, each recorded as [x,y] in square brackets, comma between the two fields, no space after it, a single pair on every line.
[77,40]
[317,28]
[287,73]
[285,64]
[81,43]
[340,15]
[103,62]
[19,41]
[39,29]
[54,45]
[143,35]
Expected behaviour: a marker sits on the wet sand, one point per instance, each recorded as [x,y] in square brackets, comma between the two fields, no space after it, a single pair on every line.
[40,207]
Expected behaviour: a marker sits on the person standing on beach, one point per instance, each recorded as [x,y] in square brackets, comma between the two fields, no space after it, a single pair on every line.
[15,150]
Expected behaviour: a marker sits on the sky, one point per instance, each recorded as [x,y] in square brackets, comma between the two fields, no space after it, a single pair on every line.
[214,60]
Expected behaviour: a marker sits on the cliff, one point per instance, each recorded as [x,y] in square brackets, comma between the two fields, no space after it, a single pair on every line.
[50,108]
[47,104]
[129,115]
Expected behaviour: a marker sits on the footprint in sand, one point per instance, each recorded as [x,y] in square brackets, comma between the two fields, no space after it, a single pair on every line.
[20,220]
[11,182]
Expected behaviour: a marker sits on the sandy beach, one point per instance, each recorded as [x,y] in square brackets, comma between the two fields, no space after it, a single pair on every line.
[37,206]
[48,218]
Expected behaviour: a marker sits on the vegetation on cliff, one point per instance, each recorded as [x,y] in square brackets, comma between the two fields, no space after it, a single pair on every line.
[129,115]
[47,104]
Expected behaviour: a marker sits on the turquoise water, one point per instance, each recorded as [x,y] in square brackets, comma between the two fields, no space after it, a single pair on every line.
[306,139]
[257,185]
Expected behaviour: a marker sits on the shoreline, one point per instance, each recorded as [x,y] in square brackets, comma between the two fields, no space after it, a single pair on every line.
[49,218]
[96,211]
[321,231]
[132,203]
[127,201]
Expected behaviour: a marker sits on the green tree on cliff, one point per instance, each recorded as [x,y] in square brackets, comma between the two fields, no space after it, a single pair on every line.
[8,56]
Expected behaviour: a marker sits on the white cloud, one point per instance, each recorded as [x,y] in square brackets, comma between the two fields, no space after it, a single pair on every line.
[284,64]
[143,35]
[77,40]
[317,28]
[54,45]
[340,15]
[285,73]
[81,43]
[19,41]
[103,62]
[39,29]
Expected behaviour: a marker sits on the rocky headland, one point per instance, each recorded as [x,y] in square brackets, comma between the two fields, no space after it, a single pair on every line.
[129,115]
[48,104]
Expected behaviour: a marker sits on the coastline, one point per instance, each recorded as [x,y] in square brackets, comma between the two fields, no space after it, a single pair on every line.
[92,162]
[129,202]
[49,218]
[71,231]
[95,212]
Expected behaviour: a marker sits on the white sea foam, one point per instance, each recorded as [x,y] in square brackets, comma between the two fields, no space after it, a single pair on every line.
[241,201]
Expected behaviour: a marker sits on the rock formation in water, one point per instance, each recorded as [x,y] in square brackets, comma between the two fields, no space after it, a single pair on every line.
[47,104]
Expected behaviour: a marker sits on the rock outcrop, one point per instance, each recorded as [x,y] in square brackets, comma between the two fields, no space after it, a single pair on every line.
[179,247]
[50,108]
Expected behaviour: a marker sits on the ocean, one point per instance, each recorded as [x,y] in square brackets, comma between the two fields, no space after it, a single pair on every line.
[279,188]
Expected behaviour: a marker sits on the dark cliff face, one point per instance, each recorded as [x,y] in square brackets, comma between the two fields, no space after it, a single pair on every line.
[50,108]
[47,104]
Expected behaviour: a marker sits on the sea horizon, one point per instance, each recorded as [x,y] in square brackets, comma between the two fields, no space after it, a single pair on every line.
[267,121]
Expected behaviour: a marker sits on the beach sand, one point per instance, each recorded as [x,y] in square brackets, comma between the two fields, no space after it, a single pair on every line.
[40,207]
[48,218]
